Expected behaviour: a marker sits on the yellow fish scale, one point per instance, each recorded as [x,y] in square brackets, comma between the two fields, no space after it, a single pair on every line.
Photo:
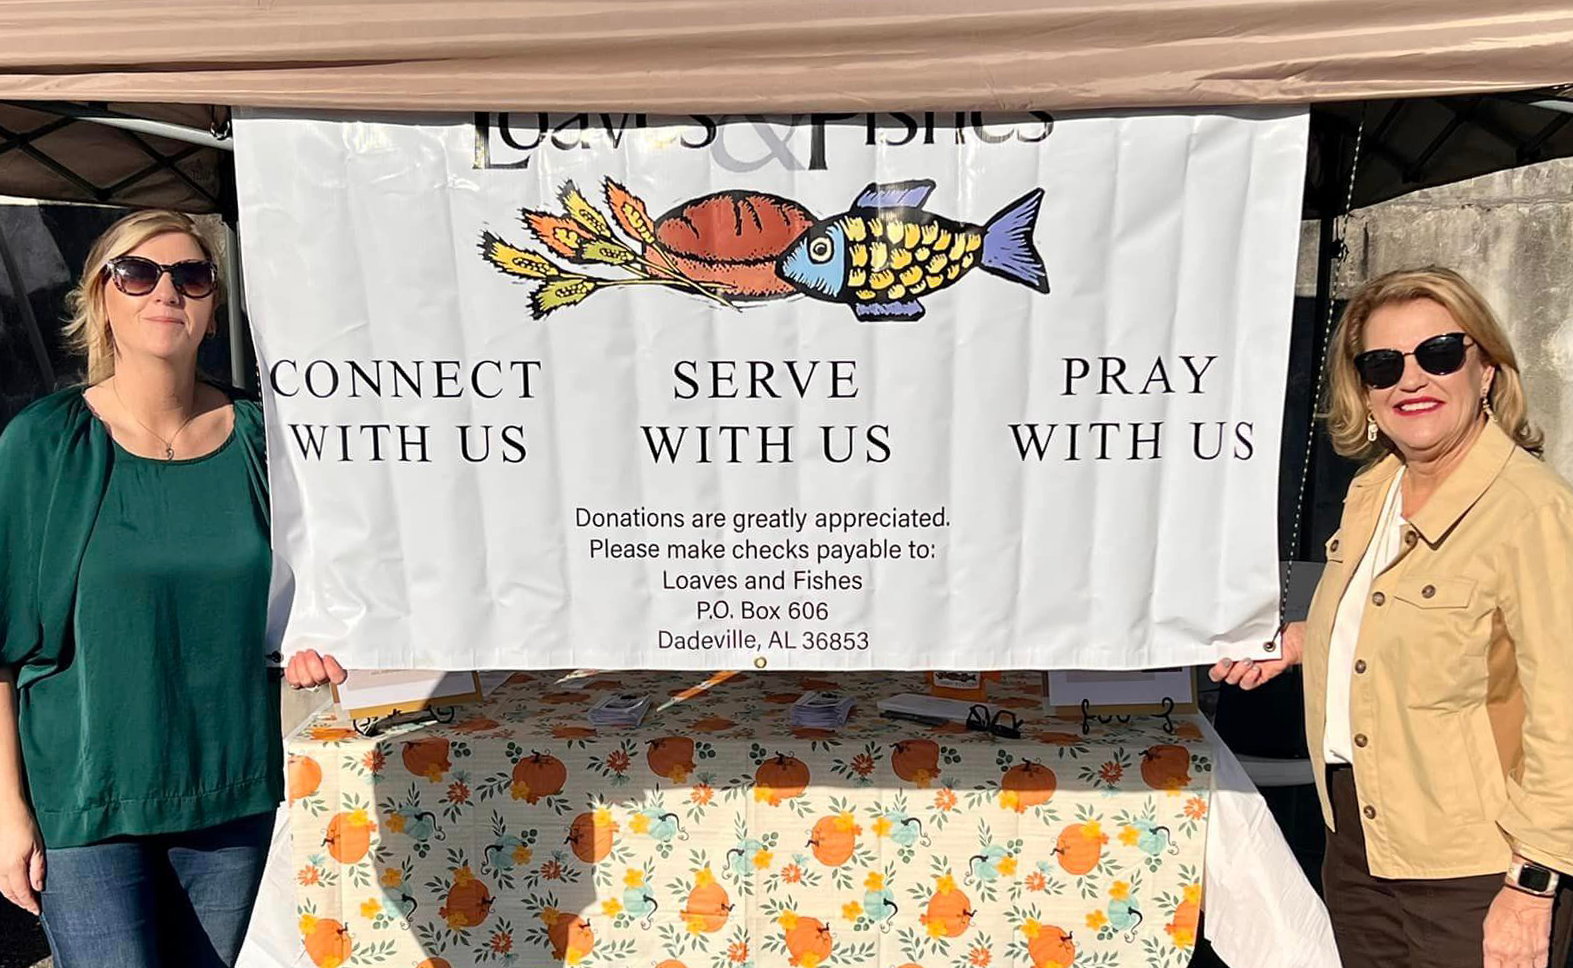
[930,233]
[864,295]
[894,231]
[881,279]
[912,276]
[967,261]
[857,278]
[974,242]
[953,272]
[859,255]
[896,292]
[934,281]
[922,254]
[958,247]
[938,263]
[879,255]
[856,231]
[912,235]
[943,242]
[900,258]
[917,288]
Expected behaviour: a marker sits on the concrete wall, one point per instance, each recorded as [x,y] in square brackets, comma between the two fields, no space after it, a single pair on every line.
[1511,234]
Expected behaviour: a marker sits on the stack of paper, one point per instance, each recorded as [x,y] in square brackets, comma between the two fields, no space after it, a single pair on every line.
[619,709]
[822,710]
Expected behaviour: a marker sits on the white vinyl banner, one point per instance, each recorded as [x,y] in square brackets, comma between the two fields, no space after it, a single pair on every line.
[948,391]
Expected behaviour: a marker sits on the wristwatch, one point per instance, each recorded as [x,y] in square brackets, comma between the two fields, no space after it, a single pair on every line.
[1531,878]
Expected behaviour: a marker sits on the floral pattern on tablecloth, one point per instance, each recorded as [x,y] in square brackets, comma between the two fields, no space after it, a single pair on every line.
[715,834]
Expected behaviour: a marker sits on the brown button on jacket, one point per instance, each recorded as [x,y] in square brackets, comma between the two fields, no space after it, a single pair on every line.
[1463,689]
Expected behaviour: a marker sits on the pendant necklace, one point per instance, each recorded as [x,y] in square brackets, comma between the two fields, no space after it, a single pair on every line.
[169,445]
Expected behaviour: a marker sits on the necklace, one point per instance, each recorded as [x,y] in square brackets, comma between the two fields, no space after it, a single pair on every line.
[169,445]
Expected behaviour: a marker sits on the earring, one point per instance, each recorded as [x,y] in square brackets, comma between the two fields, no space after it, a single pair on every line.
[1485,404]
[1370,429]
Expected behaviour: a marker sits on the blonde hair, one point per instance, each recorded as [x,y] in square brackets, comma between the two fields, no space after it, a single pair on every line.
[87,330]
[1345,408]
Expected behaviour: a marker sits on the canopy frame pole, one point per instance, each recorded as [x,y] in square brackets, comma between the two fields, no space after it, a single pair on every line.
[235,288]
[129,123]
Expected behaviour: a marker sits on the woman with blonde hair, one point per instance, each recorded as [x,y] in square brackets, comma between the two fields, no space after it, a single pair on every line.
[140,755]
[1438,673]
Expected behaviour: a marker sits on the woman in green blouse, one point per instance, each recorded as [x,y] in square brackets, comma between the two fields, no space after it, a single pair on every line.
[140,755]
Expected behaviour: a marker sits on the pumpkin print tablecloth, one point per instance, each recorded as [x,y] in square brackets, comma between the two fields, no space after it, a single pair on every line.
[715,834]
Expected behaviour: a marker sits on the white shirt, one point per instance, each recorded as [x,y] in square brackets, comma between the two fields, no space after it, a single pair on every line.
[1387,544]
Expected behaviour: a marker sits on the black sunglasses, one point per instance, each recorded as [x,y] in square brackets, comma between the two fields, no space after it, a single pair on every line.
[978,718]
[136,276]
[1439,356]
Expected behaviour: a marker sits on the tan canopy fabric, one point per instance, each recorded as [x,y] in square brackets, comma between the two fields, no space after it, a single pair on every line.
[189,60]
[746,55]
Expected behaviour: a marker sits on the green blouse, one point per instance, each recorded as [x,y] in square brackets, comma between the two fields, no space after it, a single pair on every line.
[148,706]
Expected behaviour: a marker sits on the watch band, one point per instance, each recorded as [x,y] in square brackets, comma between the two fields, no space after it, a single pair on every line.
[1532,878]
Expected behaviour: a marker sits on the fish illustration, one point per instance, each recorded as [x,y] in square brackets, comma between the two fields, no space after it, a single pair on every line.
[886,252]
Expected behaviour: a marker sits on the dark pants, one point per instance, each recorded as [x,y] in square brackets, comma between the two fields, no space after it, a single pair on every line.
[1385,923]
[143,902]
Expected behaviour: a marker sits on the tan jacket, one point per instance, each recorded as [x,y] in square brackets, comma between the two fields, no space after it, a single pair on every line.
[1461,703]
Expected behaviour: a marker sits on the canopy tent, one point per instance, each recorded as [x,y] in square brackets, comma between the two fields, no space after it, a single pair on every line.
[186,61]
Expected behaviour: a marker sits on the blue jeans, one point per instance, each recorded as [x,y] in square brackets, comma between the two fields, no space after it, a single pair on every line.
[145,902]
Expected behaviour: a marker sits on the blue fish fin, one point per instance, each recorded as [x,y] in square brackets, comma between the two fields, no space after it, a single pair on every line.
[897,312]
[1007,243]
[907,194]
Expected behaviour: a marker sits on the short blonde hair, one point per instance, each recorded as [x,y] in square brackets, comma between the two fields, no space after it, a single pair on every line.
[1346,407]
[87,330]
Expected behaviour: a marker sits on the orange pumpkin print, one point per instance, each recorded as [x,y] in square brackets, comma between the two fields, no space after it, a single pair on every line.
[305,776]
[813,732]
[573,732]
[1026,785]
[591,835]
[1188,731]
[780,779]
[1049,946]
[469,901]
[349,836]
[1187,917]
[566,697]
[569,934]
[1080,847]
[672,757]
[712,724]
[671,963]
[916,761]
[808,940]
[427,758]
[434,963]
[327,941]
[782,698]
[949,913]
[1167,767]
[477,724]
[538,775]
[834,839]
[708,905]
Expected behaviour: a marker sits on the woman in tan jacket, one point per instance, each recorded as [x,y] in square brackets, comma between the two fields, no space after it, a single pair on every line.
[1438,651]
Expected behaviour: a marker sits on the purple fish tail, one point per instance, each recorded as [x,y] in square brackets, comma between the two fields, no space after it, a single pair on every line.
[1007,243]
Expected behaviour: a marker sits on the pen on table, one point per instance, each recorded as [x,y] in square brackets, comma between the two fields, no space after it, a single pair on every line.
[915,718]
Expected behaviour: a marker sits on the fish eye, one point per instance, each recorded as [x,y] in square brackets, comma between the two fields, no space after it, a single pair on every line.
[820,249]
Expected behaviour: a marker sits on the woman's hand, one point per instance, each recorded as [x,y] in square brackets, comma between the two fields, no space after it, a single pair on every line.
[308,670]
[1250,673]
[21,858]
[1518,930]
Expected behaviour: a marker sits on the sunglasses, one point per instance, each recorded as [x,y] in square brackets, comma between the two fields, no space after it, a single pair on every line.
[1438,356]
[136,276]
[978,719]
